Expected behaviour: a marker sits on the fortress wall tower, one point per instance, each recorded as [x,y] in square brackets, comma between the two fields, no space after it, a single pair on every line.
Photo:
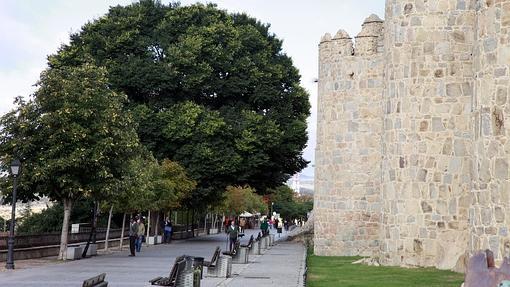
[490,212]
[348,206]
[427,140]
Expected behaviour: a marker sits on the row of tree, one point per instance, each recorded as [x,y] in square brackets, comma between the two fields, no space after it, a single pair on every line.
[153,107]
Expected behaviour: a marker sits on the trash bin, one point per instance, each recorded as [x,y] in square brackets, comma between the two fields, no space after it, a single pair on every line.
[197,278]
[198,263]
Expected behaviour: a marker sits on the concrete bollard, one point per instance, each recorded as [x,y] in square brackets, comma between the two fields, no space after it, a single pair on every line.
[241,257]
[224,266]
[263,243]
[255,248]
[272,239]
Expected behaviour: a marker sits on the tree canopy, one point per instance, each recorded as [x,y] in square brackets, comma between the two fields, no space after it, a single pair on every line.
[289,205]
[239,199]
[211,90]
[73,138]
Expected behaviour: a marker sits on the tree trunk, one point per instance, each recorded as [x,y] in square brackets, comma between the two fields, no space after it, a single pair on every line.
[92,235]
[108,228]
[122,231]
[192,223]
[222,221]
[205,223]
[156,225]
[148,227]
[62,254]
[187,223]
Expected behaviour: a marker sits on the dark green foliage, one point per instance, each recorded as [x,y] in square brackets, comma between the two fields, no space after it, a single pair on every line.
[339,271]
[2,223]
[211,90]
[50,219]
[73,138]
[289,205]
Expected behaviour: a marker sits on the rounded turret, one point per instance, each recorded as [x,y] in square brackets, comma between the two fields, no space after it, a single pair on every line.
[369,40]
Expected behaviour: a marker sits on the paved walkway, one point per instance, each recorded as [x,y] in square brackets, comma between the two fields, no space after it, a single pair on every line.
[282,265]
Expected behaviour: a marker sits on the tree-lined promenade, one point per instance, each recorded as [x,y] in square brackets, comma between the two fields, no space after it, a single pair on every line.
[156,107]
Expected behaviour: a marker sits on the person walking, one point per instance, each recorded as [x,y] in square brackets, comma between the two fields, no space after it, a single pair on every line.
[140,235]
[264,226]
[168,231]
[242,224]
[233,232]
[279,227]
[133,235]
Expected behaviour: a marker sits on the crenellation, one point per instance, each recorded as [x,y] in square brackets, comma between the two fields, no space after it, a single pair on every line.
[412,142]
[368,41]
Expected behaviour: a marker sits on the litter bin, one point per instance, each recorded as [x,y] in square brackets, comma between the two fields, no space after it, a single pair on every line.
[198,263]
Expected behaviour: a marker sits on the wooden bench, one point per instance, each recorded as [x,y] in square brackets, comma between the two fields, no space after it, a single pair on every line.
[179,266]
[96,281]
[233,252]
[250,242]
[214,258]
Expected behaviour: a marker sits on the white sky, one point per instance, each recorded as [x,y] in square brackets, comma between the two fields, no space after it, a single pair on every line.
[32,29]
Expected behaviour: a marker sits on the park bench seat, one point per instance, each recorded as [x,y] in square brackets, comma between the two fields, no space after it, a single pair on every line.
[96,281]
[179,265]
[236,247]
[250,242]
[214,258]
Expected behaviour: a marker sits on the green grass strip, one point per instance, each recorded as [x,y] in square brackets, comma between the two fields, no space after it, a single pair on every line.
[325,271]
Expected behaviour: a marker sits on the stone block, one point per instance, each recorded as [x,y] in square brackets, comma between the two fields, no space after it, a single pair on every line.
[74,252]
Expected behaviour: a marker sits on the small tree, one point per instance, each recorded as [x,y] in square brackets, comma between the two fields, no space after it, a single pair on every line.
[240,199]
[288,204]
[73,139]
[171,186]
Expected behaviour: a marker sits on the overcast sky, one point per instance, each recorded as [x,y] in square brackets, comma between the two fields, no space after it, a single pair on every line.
[32,29]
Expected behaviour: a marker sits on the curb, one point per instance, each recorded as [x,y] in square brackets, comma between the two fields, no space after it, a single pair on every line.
[303,270]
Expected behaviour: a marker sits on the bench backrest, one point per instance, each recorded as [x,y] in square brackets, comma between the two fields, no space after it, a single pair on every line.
[216,255]
[250,242]
[175,271]
[94,280]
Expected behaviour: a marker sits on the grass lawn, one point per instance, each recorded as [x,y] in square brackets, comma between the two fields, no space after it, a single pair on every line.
[339,272]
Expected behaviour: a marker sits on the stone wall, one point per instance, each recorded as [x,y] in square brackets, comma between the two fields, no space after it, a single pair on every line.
[490,212]
[427,131]
[412,150]
[348,203]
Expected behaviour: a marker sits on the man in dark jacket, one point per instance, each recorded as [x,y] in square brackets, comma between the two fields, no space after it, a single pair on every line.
[133,235]
[233,232]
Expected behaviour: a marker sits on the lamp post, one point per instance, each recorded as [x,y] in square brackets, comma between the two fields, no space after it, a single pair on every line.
[15,169]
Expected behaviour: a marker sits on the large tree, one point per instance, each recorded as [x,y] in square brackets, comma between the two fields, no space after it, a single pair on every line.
[73,139]
[212,90]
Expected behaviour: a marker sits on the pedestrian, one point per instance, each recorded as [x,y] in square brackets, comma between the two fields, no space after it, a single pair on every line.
[141,234]
[275,222]
[233,232]
[264,227]
[279,227]
[168,231]
[271,223]
[133,235]
[242,224]
[226,224]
